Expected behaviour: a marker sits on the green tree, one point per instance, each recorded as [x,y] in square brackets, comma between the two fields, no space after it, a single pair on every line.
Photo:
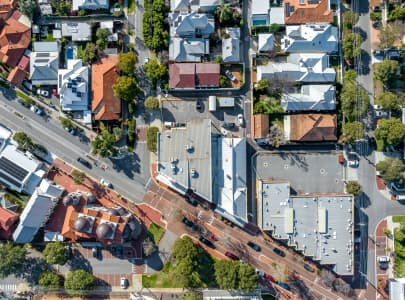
[350,76]
[102,34]
[117,131]
[151,103]
[351,45]
[350,105]
[13,258]
[184,248]
[66,123]
[27,7]
[247,278]
[90,53]
[226,274]
[390,168]
[151,138]
[78,176]
[49,280]
[155,71]
[126,63]
[24,142]
[390,101]
[353,187]
[352,131]
[262,86]
[397,13]
[126,88]
[79,282]
[192,296]
[349,19]
[390,131]
[104,143]
[388,35]
[224,13]
[55,252]
[62,7]
[386,71]
[131,130]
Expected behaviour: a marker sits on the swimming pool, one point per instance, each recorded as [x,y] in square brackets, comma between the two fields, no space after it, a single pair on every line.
[70,53]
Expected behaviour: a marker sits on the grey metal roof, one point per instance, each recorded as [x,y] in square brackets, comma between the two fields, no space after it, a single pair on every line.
[266,42]
[188,24]
[78,31]
[230,50]
[44,63]
[45,47]
[311,98]
[183,149]
[188,50]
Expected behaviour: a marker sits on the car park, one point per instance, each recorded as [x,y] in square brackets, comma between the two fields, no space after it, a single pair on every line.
[254,246]
[230,75]
[123,283]
[309,268]
[84,162]
[231,255]
[279,252]
[206,242]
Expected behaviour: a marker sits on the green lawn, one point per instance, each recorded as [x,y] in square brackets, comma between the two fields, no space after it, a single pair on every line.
[156,232]
[399,265]
[163,279]
[131,6]
[398,219]
[23,96]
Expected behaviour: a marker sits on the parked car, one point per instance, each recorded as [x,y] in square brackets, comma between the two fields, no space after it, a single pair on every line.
[284,285]
[187,222]
[106,183]
[353,159]
[230,75]
[240,120]
[381,114]
[27,84]
[43,93]
[96,252]
[377,24]
[84,162]
[384,266]
[191,201]
[279,252]
[383,259]
[231,255]
[228,125]
[123,283]
[254,246]
[379,53]
[206,242]
[198,105]
[309,268]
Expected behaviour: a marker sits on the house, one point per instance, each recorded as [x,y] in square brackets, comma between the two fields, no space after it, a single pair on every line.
[310,38]
[6,8]
[45,7]
[260,12]
[197,159]
[208,5]
[277,15]
[8,223]
[397,288]
[310,127]
[37,211]
[105,105]
[73,86]
[90,4]
[77,31]
[20,72]
[230,46]
[261,127]
[44,63]
[266,42]
[307,11]
[191,75]
[188,50]
[19,171]
[15,37]
[194,5]
[191,25]
[315,97]
[299,67]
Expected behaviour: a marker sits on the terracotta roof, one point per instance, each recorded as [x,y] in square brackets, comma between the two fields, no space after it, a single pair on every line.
[8,222]
[6,6]
[190,75]
[17,76]
[182,75]
[374,3]
[15,37]
[313,127]
[105,105]
[207,74]
[296,13]
[261,123]
[24,63]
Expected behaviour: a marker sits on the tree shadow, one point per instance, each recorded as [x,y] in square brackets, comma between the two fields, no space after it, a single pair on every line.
[78,261]
[154,262]
[299,287]
[32,269]
[365,63]
[129,164]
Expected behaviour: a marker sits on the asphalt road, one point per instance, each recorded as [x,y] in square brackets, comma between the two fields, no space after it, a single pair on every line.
[122,173]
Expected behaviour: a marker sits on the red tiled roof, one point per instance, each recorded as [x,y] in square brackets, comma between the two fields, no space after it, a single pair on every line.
[6,6]
[15,37]
[24,63]
[297,13]
[105,105]
[261,126]
[8,222]
[313,127]
[207,74]
[182,75]
[17,76]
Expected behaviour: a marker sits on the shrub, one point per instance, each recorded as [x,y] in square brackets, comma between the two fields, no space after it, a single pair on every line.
[151,138]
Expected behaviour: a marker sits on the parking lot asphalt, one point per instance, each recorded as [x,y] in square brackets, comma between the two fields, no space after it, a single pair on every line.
[306,172]
[181,111]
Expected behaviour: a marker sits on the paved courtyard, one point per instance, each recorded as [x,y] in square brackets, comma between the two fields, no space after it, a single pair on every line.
[307,172]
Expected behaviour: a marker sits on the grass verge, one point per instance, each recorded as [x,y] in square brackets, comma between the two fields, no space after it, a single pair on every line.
[399,265]
[398,219]
[23,96]
[131,6]
[163,279]
[156,232]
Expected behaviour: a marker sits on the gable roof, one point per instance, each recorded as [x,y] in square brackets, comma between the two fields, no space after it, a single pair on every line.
[16,76]
[312,127]
[8,221]
[15,37]
[182,75]
[302,12]
[6,6]
[266,42]
[105,105]
[310,38]
[90,4]
[261,123]
[187,24]
[230,46]
[44,63]
[188,50]
[207,74]
[314,97]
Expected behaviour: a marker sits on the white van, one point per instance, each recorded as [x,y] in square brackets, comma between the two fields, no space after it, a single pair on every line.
[383,259]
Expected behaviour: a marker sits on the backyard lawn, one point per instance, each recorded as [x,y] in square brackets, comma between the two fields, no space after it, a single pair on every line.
[156,232]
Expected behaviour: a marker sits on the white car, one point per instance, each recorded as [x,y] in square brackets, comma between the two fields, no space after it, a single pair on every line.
[240,120]
[123,283]
[42,92]
[105,183]
[146,60]
[230,75]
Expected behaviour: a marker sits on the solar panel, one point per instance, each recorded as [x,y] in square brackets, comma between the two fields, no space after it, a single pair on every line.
[7,179]
[11,168]
[42,54]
